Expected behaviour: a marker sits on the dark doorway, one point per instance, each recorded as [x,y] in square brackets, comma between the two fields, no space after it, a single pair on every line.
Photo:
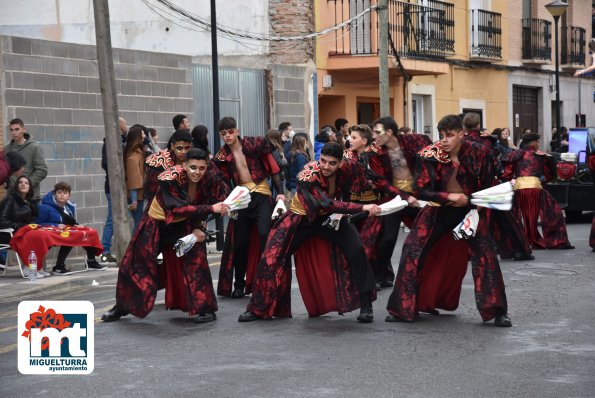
[524,110]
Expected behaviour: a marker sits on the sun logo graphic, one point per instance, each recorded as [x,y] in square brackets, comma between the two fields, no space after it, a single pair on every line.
[56,337]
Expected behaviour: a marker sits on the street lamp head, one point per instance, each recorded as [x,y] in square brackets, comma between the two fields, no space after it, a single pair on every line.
[557,8]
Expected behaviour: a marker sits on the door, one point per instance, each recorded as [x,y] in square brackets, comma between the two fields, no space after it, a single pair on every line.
[524,109]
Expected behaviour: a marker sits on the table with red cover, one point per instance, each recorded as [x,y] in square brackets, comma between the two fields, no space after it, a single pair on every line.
[41,238]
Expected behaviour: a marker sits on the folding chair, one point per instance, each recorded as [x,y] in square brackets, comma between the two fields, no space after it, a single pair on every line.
[6,246]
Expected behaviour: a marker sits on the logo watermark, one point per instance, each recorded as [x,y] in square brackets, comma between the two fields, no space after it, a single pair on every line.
[56,337]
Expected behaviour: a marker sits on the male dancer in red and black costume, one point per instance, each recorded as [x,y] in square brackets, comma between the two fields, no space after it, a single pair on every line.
[395,165]
[446,174]
[511,242]
[529,166]
[320,185]
[180,142]
[186,195]
[247,162]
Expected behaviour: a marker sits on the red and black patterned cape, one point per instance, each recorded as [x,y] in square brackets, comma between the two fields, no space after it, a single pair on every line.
[322,271]
[187,279]
[533,202]
[437,282]
[156,164]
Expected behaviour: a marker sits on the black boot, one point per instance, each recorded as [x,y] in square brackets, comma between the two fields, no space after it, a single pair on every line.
[238,292]
[366,314]
[502,320]
[206,317]
[523,257]
[248,317]
[114,314]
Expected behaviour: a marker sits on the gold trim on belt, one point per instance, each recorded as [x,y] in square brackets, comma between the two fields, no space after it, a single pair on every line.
[296,206]
[156,212]
[262,187]
[527,182]
[366,196]
[404,185]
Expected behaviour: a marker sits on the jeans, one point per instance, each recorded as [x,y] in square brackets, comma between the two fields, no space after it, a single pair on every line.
[137,214]
[108,229]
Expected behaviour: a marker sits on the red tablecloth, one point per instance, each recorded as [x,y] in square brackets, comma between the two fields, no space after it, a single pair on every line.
[42,238]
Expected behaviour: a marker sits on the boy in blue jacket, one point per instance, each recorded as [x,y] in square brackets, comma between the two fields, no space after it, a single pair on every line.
[57,210]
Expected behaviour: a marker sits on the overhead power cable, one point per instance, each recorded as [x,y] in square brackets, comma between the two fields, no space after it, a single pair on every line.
[237,33]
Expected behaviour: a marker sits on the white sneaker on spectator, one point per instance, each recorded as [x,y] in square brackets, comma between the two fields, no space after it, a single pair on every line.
[40,275]
[45,273]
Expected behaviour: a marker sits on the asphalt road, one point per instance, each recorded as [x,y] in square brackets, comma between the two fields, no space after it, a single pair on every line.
[549,352]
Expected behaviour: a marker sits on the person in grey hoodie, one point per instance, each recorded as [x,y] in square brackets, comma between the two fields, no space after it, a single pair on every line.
[21,142]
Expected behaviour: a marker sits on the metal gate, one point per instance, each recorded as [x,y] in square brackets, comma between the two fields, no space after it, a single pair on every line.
[242,94]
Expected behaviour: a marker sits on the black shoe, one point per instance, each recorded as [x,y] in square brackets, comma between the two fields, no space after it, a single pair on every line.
[92,264]
[378,286]
[386,284]
[503,321]
[366,313]
[114,314]
[523,257]
[238,292]
[392,318]
[248,317]
[61,270]
[204,318]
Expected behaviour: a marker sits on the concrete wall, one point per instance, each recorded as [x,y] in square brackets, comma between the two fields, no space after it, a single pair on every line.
[54,88]
[290,88]
[138,26]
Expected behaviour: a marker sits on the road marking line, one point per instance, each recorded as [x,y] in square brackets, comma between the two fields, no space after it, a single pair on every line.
[8,348]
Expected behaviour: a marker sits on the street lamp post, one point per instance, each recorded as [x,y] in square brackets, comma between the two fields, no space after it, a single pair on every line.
[557,8]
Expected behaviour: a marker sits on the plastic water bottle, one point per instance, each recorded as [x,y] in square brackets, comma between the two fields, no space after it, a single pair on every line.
[32,266]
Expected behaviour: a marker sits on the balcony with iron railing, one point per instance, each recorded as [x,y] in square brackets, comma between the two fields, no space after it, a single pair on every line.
[537,37]
[486,35]
[418,32]
[573,42]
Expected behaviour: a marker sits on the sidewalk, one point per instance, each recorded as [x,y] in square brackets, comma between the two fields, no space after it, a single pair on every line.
[14,287]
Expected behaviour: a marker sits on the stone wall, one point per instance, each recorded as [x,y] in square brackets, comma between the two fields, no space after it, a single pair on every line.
[54,88]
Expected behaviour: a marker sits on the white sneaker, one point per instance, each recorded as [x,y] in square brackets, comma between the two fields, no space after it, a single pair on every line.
[45,273]
[40,275]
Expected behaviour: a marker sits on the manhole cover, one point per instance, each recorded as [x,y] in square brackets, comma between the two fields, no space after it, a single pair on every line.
[546,272]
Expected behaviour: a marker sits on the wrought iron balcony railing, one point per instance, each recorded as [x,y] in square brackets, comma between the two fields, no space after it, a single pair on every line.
[573,44]
[486,34]
[422,32]
[537,36]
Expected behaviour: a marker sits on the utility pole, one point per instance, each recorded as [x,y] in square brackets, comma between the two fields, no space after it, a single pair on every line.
[383,57]
[216,117]
[113,140]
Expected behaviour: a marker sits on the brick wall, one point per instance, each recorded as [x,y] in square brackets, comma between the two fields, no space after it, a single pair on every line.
[291,18]
[54,88]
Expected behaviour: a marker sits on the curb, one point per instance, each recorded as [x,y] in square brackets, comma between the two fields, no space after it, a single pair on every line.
[13,287]
[23,289]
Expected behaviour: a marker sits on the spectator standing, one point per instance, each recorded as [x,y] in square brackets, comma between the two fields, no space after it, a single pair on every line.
[134,164]
[21,142]
[108,228]
[57,210]
[321,139]
[297,159]
[200,138]
[342,130]
[181,122]
[279,154]
[563,146]
[11,163]
[151,142]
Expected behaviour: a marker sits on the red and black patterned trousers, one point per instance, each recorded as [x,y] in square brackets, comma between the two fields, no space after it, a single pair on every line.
[430,226]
